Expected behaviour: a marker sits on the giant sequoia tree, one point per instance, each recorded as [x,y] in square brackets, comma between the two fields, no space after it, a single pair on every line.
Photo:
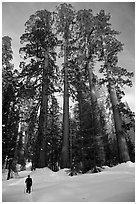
[64,22]
[115,77]
[88,45]
[39,71]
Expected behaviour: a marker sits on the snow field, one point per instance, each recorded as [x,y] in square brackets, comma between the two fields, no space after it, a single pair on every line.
[116,184]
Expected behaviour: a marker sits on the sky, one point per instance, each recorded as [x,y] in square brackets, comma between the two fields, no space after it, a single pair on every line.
[15,14]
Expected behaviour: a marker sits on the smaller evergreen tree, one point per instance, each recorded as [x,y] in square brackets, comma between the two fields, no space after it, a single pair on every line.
[10,105]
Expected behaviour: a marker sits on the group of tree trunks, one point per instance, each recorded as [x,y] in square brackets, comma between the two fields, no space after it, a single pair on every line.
[33,126]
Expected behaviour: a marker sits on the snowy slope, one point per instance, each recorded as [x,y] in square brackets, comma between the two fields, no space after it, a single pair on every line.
[115,184]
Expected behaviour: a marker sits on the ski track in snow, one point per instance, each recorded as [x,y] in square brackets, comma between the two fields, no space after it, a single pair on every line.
[29,196]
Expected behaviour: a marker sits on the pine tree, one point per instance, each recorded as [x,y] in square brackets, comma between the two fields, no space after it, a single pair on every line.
[10,108]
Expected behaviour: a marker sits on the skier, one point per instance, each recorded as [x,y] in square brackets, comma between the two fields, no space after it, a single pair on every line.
[28,182]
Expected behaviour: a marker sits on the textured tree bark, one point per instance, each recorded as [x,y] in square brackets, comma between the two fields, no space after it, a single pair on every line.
[92,84]
[43,115]
[121,140]
[65,161]
[93,106]
[80,102]
[96,124]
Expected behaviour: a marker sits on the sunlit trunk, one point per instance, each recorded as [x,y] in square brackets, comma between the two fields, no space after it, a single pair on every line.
[42,133]
[95,118]
[93,106]
[121,140]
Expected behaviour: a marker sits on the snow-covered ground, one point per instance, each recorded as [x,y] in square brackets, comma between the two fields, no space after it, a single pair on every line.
[116,184]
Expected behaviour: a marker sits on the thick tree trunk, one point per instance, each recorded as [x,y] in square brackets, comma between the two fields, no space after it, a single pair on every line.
[80,102]
[92,85]
[93,106]
[121,140]
[43,117]
[95,118]
[65,161]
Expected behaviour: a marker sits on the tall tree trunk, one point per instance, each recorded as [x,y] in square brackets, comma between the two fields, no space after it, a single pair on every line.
[78,87]
[42,132]
[121,140]
[65,161]
[92,85]
[93,106]
[95,119]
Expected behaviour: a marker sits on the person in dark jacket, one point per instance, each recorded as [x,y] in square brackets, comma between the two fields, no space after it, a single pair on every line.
[28,182]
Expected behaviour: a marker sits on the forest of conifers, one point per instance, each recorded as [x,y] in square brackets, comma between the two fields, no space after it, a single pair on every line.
[74,55]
